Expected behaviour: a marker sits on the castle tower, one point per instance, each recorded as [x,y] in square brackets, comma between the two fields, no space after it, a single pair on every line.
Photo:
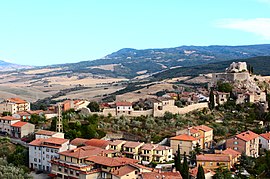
[59,123]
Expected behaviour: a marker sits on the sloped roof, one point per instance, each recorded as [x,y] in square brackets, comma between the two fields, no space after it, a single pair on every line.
[16,100]
[247,136]
[124,170]
[184,137]
[78,141]
[45,132]
[19,124]
[123,103]
[231,152]
[117,142]
[203,128]
[213,157]
[266,135]
[131,144]
[52,142]
[148,146]
[97,143]
[162,175]
[8,118]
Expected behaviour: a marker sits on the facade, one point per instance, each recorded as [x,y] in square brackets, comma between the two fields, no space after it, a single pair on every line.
[5,124]
[221,97]
[132,149]
[247,142]
[21,129]
[208,135]
[14,105]
[42,151]
[186,143]
[214,161]
[265,141]
[44,134]
[123,108]
[116,145]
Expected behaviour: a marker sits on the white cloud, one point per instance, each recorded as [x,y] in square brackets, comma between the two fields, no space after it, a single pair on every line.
[258,26]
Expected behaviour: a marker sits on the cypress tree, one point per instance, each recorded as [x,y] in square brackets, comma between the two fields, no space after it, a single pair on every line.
[211,99]
[177,160]
[200,173]
[185,169]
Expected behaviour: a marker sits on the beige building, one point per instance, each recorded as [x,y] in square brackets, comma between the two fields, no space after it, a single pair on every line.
[44,134]
[132,149]
[5,124]
[14,105]
[214,161]
[186,143]
[21,129]
[117,145]
[247,142]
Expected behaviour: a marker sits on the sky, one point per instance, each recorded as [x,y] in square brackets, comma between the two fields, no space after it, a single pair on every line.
[48,32]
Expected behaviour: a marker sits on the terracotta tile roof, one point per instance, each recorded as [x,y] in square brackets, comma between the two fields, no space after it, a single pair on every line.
[36,112]
[203,128]
[124,170]
[266,135]
[231,152]
[184,137]
[78,141]
[161,147]
[123,103]
[214,157]
[126,160]
[163,175]
[148,146]
[106,161]
[193,130]
[16,100]
[117,142]
[19,124]
[193,172]
[45,132]
[247,136]
[9,118]
[23,113]
[86,151]
[131,144]
[52,142]
[98,143]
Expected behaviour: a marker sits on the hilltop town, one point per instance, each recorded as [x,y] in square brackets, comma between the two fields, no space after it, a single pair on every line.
[220,131]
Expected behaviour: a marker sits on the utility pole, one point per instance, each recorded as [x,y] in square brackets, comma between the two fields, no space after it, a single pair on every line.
[59,123]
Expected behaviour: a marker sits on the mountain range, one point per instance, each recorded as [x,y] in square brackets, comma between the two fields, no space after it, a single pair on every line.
[130,63]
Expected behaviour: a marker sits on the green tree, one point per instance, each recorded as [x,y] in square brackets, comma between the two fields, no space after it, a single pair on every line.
[211,100]
[198,149]
[200,173]
[185,169]
[224,87]
[93,106]
[222,173]
[6,113]
[177,160]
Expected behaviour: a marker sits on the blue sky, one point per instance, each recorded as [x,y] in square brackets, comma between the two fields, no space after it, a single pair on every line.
[62,31]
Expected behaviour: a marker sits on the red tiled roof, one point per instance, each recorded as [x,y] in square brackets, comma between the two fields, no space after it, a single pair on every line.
[123,103]
[124,170]
[184,137]
[117,142]
[23,113]
[193,172]
[163,175]
[148,146]
[98,143]
[45,132]
[266,135]
[8,118]
[36,112]
[231,152]
[247,136]
[106,161]
[161,147]
[50,142]
[203,128]
[131,144]
[86,151]
[16,100]
[126,160]
[214,157]
[78,141]
[19,124]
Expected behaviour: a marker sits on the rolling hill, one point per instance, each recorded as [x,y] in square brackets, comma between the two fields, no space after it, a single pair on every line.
[5,66]
[130,63]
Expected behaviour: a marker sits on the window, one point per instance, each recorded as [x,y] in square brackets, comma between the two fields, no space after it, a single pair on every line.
[71,172]
[235,148]
[47,150]
[203,163]
[35,159]
[66,170]
[235,142]
[77,173]
[59,169]
[211,163]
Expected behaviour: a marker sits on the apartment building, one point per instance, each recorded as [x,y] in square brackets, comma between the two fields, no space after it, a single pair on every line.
[123,108]
[42,151]
[5,124]
[214,161]
[245,142]
[132,149]
[155,152]
[186,143]
[116,145]
[45,134]
[21,129]
[14,105]
[264,140]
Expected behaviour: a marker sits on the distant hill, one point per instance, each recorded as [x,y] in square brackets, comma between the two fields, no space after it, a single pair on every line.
[5,66]
[260,64]
[130,63]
